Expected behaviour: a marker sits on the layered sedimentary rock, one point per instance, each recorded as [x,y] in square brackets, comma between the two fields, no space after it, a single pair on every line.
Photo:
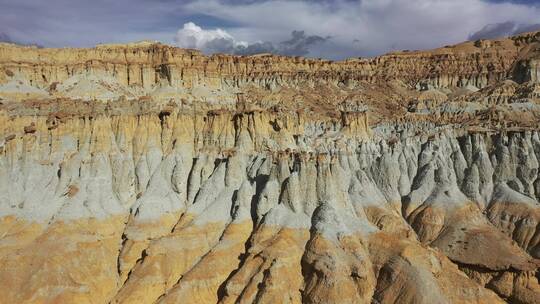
[150,174]
[137,69]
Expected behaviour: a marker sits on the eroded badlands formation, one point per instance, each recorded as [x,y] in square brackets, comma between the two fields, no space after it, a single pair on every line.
[145,173]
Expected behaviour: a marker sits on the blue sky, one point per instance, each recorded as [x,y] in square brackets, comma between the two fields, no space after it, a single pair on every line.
[321,28]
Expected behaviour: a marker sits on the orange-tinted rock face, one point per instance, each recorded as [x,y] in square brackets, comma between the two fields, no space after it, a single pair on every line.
[145,173]
[67,262]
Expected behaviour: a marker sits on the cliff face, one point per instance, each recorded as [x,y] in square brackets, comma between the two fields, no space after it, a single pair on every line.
[408,178]
[147,65]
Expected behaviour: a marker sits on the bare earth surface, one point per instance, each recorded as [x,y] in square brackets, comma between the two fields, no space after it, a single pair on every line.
[144,173]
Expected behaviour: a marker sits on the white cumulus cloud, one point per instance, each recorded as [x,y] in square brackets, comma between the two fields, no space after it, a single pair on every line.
[193,36]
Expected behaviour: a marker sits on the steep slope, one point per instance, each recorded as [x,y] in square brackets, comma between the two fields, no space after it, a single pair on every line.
[150,174]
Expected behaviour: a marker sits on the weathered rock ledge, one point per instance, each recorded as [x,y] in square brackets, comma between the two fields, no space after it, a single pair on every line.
[365,181]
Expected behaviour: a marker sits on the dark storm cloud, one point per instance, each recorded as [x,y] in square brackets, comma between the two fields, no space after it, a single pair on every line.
[256,48]
[300,43]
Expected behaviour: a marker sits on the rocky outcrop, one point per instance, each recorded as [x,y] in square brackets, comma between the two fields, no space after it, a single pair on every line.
[222,207]
[132,70]
[354,191]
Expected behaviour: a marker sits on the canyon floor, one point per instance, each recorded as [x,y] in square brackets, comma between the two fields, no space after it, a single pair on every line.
[145,173]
